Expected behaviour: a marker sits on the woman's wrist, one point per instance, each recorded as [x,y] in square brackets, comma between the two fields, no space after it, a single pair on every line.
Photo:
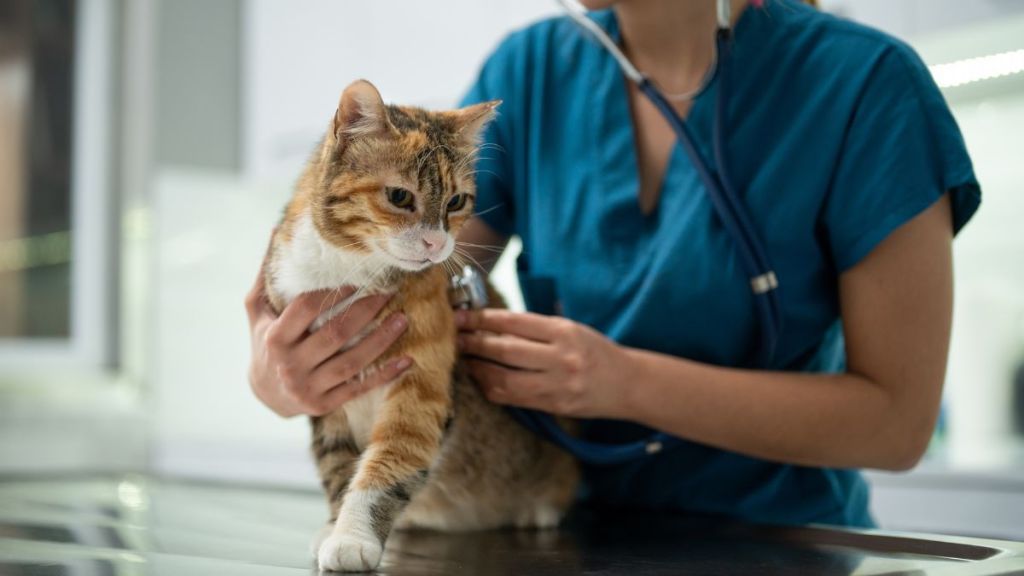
[642,392]
[631,380]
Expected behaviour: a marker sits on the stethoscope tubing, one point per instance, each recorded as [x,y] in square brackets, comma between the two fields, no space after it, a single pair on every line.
[735,218]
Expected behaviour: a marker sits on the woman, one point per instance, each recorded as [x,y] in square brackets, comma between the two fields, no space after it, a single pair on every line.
[857,179]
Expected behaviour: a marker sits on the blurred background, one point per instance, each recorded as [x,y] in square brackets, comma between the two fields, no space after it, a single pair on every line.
[147,147]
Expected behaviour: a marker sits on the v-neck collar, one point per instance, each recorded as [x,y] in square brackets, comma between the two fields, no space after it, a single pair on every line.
[615,143]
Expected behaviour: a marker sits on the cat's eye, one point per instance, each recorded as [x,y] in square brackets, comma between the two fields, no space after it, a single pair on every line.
[400,197]
[457,202]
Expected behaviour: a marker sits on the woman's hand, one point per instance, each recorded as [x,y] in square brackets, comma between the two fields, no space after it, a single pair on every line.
[544,362]
[295,372]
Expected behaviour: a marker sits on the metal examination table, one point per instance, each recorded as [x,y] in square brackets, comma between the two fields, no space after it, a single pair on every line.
[126,524]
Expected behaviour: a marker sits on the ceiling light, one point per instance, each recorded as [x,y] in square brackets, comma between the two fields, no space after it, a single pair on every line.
[977,69]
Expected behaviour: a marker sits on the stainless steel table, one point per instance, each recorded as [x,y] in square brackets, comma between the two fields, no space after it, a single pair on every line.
[132,524]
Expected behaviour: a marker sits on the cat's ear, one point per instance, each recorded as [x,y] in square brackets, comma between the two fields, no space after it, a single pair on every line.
[361,112]
[471,120]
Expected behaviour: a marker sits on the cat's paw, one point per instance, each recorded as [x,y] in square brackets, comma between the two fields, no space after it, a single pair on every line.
[342,552]
[539,516]
[318,540]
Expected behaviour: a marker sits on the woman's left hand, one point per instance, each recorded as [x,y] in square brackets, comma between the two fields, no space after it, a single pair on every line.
[544,362]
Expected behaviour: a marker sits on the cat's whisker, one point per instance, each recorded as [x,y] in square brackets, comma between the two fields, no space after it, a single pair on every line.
[493,251]
[453,266]
[472,158]
[475,172]
[332,297]
[335,298]
[338,290]
[361,290]
[491,146]
[423,157]
[356,243]
[456,262]
[475,157]
[446,147]
[462,253]
[495,207]
[431,152]
[497,249]
[469,159]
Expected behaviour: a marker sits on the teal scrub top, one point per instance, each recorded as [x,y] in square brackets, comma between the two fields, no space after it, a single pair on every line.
[836,135]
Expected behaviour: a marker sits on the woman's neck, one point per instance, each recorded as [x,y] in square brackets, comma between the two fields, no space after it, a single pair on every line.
[671,40]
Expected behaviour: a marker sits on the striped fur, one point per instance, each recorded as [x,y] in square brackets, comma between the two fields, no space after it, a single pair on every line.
[426,450]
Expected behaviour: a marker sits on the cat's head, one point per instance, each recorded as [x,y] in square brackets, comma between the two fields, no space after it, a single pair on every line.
[397,183]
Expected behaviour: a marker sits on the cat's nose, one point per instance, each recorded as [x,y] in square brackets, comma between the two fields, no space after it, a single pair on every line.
[434,241]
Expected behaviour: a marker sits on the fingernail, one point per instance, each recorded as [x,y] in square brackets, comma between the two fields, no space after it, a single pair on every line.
[399,322]
[403,363]
[461,316]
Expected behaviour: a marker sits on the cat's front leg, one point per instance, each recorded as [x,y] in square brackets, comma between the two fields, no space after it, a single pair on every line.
[405,442]
[337,456]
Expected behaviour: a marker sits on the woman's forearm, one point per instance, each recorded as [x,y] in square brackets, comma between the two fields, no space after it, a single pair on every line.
[833,420]
[896,306]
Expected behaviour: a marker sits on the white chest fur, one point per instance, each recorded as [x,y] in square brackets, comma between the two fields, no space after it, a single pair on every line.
[308,263]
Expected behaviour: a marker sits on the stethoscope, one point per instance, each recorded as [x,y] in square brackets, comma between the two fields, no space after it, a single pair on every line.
[727,206]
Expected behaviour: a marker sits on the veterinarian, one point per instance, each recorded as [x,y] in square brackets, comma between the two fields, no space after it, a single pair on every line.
[856,178]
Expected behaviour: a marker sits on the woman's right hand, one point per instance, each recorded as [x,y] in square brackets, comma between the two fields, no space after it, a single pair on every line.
[295,371]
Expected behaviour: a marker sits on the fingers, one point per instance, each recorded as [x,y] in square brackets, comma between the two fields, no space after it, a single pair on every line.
[509,350]
[297,316]
[346,391]
[349,363]
[325,342]
[256,300]
[503,385]
[528,325]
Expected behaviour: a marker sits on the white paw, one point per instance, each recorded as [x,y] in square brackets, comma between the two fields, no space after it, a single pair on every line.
[539,516]
[342,552]
[314,546]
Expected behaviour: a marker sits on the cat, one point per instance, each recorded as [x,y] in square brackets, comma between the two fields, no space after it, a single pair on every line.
[378,207]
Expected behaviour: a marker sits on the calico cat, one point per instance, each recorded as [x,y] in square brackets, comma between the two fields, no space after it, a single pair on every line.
[378,207]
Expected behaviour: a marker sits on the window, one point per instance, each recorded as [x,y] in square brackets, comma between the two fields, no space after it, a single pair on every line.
[55,98]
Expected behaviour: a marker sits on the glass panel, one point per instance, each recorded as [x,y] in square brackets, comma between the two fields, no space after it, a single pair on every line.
[36,81]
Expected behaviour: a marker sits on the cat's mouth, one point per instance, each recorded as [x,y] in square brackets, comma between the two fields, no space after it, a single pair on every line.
[423,262]
[410,264]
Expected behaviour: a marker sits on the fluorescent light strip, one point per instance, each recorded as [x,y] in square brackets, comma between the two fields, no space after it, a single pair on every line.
[977,69]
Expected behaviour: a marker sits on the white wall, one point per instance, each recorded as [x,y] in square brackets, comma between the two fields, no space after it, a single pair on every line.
[298,56]
[198,79]
[988,336]
[911,18]
[211,230]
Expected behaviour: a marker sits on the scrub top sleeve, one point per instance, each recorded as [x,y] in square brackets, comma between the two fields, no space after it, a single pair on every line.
[494,198]
[901,152]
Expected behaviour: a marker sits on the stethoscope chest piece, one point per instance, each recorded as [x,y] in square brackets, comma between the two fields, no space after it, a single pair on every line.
[468,290]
